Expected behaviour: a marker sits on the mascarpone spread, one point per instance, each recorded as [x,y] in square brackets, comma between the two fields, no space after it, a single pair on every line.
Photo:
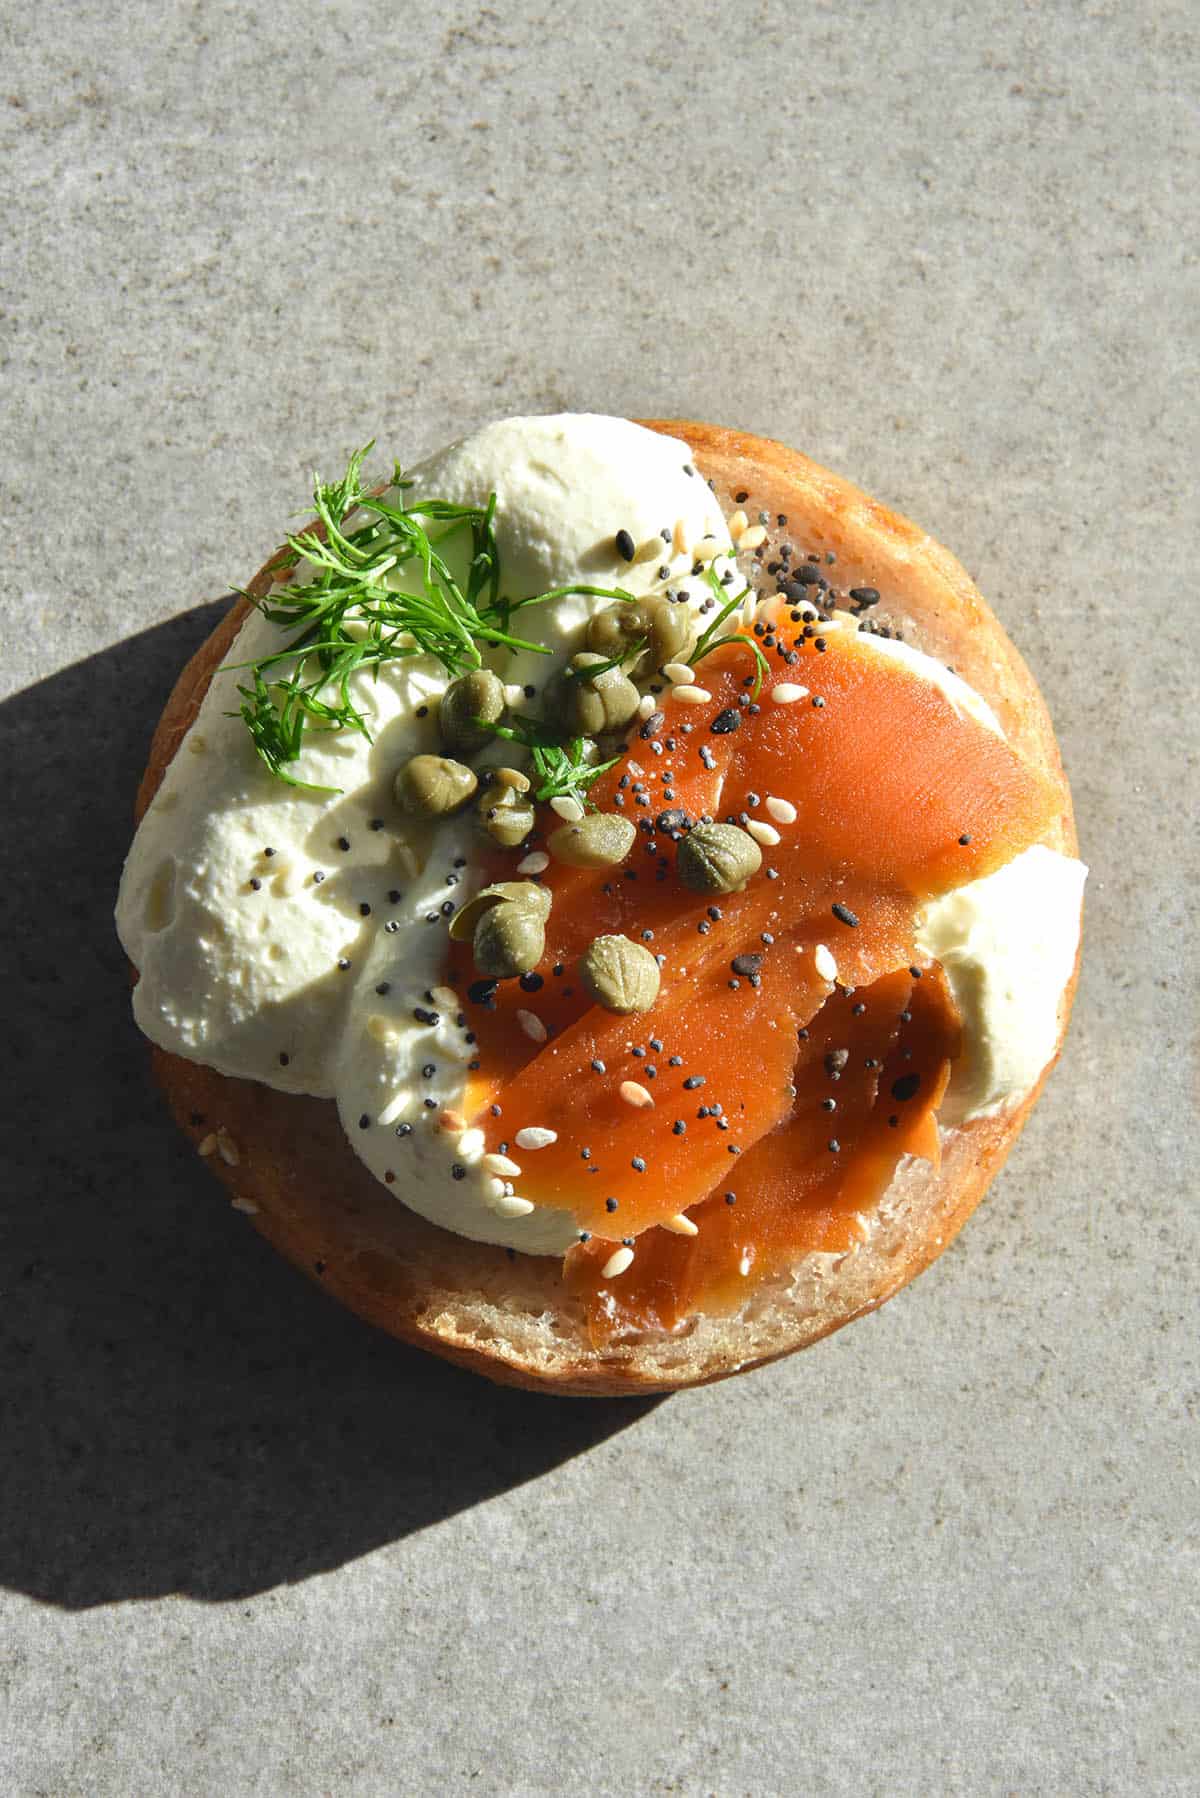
[295,938]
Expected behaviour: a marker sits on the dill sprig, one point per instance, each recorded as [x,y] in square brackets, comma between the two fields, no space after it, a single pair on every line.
[348,617]
[711,639]
[558,762]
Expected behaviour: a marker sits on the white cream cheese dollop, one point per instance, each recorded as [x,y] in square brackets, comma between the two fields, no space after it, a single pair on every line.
[295,938]
[1008,945]
[287,937]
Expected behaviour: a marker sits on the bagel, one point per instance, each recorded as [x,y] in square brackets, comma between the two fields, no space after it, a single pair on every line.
[285,1158]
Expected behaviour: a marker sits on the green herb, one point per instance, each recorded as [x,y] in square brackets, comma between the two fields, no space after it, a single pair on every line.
[590,669]
[347,617]
[559,765]
[710,639]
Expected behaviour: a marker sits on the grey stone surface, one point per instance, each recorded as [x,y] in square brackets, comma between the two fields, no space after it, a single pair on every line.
[248,1546]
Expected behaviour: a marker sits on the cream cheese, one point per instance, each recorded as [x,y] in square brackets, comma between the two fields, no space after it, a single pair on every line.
[297,939]
[1008,945]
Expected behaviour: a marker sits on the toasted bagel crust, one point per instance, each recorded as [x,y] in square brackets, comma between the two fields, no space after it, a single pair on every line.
[308,1194]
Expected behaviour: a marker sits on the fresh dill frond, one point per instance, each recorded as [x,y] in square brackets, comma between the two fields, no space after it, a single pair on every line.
[560,764]
[711,639]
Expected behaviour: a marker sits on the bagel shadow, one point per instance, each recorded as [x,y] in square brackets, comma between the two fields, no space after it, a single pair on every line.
[181,1412]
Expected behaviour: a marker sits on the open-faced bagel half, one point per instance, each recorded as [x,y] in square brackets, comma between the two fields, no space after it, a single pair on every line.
[286,1161]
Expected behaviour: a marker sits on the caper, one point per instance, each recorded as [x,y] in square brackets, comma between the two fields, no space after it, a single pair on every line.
[432,786]
[505,814]
[526,894]
[599,841]
[613,631]
[669,629]
[508,940]
[479,694]
[717,858]
[591,704]
[511,777]
[619,974]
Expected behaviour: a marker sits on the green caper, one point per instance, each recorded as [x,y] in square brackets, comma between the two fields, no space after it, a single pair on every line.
[619,974]
[599,841]
[717,858]
[432,786]
[505,814]
[592,704]
[613,631]
[525,894]
[508,940]
[479,694]
[669,628]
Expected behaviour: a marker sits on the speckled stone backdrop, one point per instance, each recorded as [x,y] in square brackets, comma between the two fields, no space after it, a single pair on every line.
[246,1545]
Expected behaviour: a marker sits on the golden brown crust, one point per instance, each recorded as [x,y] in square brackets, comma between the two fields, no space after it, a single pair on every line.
[285,1159]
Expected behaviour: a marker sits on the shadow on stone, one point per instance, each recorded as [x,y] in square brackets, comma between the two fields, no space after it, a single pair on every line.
[179,1411]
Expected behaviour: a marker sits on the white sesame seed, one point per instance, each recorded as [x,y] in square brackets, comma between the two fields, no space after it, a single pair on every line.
[532,1026]
[500,1164]
[826,966]
[752,538]
[689,695]
[512,1206]
[786,692]
[514,693]
[469,1143]
[209,1145]
[617,1264]
[569,810]
[533,1136]
[445,997]
[782,810]
[451,1120]
[246,1205]
[749,610]
[766,834]
[678,673]
[647,705]
[227,1149]
[679,537]
[536,862]
[744,1266]
[635,1095]
[708,549]
[494,1190]
[738,523]
[395,1107]
[680,1225]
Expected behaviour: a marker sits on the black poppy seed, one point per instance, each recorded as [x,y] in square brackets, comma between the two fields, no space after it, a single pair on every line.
[772,873]
[403,1129]
[725,721]
[585,1236]
[703,928]
[906,1017]
[255,883]
[384,986]
[693,1081]
[731,1198]
[610,1204]
[906,1086]
[651,1073]
[638,1165]
[766,938]
[964,840]
[675,1061]
[429,1070]
[870,1062]
[391,927]
[343,843]
[857,1010]
[364,910]
[893,1122]
[599,1067]
[802,1035]
[746,964]
[834,1145]
[915,972]
[734,985]
[448,908]
[395,896]
[678,1128]
[458,1171]
[531,983]
[828,1104]
[818,703]
[431,917]
[865,596]
[343,963]
[844,914]
[733,1149]
[460,861]
[364,1122]
[284,1058]
[430,1104]
[268,851]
